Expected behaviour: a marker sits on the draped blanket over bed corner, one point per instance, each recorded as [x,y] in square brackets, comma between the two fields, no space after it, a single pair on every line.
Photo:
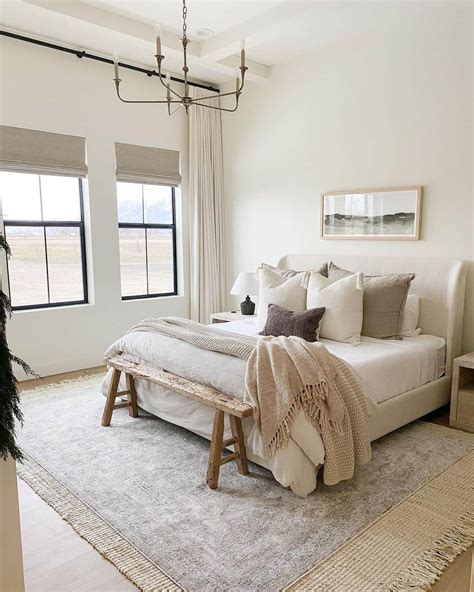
[284,376]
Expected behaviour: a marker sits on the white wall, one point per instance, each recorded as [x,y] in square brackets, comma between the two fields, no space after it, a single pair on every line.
[375,111]
[47,90]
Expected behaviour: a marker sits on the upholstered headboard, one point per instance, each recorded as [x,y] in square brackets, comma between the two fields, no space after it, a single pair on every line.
[440,284]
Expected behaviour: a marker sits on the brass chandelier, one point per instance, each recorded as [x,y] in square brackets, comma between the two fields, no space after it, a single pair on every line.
[184,100]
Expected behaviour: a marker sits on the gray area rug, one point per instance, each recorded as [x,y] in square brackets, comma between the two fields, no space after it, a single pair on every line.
[146,478]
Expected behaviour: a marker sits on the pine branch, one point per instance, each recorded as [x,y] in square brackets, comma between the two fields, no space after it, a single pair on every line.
[24,366]
[5,308]
[4,245]
[9,403]
[10,411]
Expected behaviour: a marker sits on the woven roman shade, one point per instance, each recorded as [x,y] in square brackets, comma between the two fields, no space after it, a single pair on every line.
[142,164]
[31,151]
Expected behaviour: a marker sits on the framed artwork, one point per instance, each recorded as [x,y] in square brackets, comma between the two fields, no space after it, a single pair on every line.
[382,214]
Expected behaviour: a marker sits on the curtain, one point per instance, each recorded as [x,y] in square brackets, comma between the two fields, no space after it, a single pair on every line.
[206,192]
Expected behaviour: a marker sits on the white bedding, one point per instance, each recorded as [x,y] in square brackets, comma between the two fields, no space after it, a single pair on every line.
[377,362]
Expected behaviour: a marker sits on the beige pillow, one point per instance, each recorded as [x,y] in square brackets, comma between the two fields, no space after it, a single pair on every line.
[384,302]
[411,315]
[276,289]
[287,273]
[343,300]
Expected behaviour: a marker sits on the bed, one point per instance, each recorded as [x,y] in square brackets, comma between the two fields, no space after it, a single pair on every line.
[396,397]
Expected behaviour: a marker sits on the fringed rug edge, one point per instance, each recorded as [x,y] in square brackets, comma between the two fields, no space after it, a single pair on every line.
[94,529]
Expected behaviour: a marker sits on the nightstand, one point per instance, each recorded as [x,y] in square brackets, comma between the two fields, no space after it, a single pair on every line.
[226,317]
[462,393]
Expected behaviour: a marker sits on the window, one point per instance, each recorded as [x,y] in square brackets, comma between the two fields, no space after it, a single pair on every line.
[147,231]
[44,226]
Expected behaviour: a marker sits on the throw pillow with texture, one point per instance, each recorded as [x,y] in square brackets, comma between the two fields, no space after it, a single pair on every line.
[384,301]
[343,301]
[281,321]
[275,289]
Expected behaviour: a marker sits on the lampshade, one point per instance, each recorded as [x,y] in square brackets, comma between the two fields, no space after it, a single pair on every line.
[245,285]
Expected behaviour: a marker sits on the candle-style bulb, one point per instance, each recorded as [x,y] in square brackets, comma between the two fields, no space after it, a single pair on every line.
[158,39]
[168,82]
[116,70]
[242,53]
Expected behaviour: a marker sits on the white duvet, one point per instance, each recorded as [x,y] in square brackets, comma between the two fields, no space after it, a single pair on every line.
[377,363]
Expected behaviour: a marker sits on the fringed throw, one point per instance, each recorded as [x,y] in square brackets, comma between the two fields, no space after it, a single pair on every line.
[287,374]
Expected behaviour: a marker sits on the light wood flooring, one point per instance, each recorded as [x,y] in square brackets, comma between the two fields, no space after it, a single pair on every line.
[57,559]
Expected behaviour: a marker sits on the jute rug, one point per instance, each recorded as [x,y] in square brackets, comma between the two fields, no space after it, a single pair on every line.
[136,492]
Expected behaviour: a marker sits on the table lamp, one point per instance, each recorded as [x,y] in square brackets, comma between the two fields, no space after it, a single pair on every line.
[247,285]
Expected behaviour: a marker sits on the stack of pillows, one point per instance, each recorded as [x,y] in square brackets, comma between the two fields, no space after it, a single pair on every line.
[335,303]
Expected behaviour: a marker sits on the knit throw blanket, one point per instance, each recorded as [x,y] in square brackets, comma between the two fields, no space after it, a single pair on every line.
[284,375]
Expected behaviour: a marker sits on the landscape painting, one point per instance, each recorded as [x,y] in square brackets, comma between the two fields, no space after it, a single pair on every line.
[391,214]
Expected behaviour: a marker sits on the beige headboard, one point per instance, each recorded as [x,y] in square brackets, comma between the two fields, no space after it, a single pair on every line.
[440,284]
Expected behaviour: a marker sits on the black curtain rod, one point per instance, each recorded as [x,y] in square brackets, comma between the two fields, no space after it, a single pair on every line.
[91,56]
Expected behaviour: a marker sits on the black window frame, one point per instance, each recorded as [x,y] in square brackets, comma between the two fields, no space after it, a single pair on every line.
[51,224]
[145,225]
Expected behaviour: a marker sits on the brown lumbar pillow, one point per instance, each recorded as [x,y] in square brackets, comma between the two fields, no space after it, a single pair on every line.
[384,302]
[281,321]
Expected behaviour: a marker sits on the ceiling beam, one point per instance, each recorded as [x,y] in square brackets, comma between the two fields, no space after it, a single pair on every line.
[144,32]
[264,26]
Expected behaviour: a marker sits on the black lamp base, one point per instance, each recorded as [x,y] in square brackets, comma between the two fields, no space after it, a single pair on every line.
[247,307]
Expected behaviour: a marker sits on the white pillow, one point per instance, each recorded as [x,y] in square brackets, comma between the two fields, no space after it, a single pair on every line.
[275,289]
[344,302]
[411,315]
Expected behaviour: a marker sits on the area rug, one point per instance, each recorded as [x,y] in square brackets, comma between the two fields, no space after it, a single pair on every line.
[137,492]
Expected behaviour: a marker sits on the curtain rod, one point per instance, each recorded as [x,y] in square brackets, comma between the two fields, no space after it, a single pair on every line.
[91,56]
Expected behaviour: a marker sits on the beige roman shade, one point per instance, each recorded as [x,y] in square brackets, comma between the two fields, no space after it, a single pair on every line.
[142,164]
[31,151]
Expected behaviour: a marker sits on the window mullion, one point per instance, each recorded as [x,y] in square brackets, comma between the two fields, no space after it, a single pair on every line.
[146,262]
[41,197]
[46,264]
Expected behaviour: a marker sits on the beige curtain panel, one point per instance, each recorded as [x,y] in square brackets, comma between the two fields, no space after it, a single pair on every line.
[206,200]
[142,164]
[31,151]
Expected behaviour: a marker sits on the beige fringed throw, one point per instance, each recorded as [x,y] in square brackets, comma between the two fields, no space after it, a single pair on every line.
[285,374]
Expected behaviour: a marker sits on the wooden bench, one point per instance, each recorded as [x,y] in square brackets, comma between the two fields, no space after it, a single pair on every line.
[222,403]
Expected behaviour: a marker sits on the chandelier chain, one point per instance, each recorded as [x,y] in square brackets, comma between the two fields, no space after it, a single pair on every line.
[185,12]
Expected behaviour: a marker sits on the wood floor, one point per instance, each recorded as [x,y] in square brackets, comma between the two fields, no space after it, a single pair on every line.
[57,559]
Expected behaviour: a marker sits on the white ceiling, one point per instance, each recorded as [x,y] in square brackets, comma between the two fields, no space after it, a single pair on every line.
[275,31]
[217,15]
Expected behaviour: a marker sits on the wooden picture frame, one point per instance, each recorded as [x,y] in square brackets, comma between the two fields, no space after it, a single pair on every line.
[391,213]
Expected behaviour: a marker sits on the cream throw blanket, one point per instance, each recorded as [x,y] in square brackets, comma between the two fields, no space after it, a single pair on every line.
[284,375]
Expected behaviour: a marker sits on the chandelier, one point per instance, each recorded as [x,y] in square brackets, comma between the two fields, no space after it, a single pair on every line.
[173,97]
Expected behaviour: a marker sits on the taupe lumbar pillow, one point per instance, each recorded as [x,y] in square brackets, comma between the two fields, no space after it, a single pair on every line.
[384,302]
[281,321]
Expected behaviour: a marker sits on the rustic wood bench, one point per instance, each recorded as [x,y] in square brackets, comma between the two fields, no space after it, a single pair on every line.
[222,403]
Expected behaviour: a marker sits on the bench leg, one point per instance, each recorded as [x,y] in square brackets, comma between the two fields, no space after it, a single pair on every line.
[214,464]
[133,407]
[111,395]
[239,446]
